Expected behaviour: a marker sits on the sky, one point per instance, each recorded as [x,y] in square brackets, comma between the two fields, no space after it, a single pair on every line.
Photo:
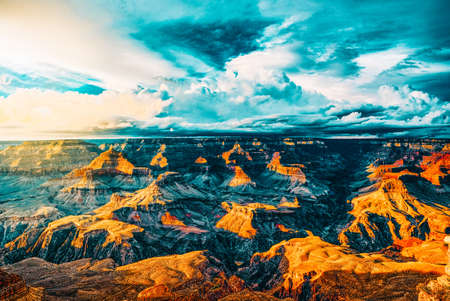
[107,68]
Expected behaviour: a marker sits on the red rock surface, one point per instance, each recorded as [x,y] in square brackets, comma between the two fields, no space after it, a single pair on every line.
[436,167]
[237,149]
[240,177]
[201,160]
[294,172]
[310,267]
[239,218]
[159,159]
[406,217]
[13,287]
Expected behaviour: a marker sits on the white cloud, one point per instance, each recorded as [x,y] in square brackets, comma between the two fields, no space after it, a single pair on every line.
[334,88]
[242,78]
[260,65]
[352,117]
[244,73]
[351,88]
[30,112]
[376,62]
[272,34]
[35,34]
[404,97]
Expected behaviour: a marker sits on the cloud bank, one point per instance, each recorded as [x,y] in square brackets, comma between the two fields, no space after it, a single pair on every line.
[43,113]
[316,68]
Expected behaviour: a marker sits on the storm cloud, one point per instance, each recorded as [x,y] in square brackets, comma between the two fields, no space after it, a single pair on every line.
[315,68]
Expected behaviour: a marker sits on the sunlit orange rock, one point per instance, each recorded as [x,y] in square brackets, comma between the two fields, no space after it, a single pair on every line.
[193,276]
[47,156]
[283,228]
[431,251]
[88,181]
[109,162]
[117,232]
[240,178]
[385,171]
[237,149]
[398,163]
[239,218]
[310,266]
[306,142]
[169,271]
[446,148]
[285,203]
[13,287]
[410,242]
[112,160]
[294,172]
[249,295]
[201,160]
[159,291]
[436,167]
[427,146]
[405,216]
[288,141]
[397,175]
[435,290]
[170,220]
[142,198]
[189,276]
[159,159]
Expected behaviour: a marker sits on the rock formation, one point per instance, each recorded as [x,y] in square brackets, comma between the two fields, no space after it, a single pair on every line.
[159,160]
[293,172]
[390,213]
[240,178]
[92,185]
[238,151]
[201,160]
[386,212]
[436,167]
[44,157]
[240,222]
[170,220]
[239,218]
[311,269]
[13,287]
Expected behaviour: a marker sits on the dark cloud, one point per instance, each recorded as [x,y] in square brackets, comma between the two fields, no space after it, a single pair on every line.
[339,62]
[327,127]
[409,97]
[213,42]
[432,55]
[350,28]
[284,89]
[252,66]
[436,84]
[366,110]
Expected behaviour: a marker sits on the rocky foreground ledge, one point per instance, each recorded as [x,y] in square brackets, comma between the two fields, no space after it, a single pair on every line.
[13,287]
[298,269]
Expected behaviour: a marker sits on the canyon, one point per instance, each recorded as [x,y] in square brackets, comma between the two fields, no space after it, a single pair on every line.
[225,218]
